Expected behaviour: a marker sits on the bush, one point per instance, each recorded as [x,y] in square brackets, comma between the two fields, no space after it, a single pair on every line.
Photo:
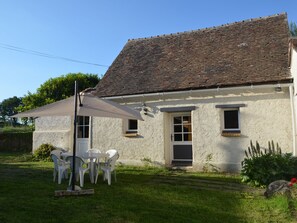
[43,152]
[261,166]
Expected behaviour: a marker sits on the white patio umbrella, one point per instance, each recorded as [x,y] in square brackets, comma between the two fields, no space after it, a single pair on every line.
[82,105]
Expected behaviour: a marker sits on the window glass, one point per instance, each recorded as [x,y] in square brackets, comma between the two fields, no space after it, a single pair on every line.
[231,119]
[80,132]
[188,137]
[132,125]
[177,120]
[186,120]
[178,137]
[187,128]
[177,128]
[182,128]
[83,126]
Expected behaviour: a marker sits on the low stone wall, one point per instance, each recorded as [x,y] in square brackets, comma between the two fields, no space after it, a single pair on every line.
[21,142]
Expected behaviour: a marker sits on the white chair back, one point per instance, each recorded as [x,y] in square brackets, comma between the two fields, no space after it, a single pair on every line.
[112,160]
[111,152]
[55,159]
[57,152]
[78,163]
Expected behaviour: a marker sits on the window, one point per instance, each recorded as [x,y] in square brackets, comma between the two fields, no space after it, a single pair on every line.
[231,125]
[83,124]
[132,126]
[182,128]
[231,121]
[230,117]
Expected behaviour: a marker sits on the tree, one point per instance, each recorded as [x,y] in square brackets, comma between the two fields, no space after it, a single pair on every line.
[293,29]
[9,107]
[56,89]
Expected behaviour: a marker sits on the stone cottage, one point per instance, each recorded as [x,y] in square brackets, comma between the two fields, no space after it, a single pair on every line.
[203,94]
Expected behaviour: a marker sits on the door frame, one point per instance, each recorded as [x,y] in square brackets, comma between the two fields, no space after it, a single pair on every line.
[85,141]
[172,142]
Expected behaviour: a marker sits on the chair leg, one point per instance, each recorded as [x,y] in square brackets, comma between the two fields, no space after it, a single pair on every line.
[60,174]
[108,177]
[81,178]
[96,175]
[54,175]
[65,174]
[70,179]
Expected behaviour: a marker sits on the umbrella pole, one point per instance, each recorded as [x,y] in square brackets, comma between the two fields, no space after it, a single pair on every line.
[74,138]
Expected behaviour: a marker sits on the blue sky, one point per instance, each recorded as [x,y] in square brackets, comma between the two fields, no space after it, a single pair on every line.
[95,31]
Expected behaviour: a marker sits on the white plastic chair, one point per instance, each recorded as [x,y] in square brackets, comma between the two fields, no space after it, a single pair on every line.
[108,154]
[109,166]
[81,168]
[93,156]
[57,152]
[60,167]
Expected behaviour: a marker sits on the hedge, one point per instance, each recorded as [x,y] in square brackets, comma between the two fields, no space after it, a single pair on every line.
[18,141]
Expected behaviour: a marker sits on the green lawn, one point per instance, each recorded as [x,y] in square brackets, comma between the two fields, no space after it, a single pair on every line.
[140,195]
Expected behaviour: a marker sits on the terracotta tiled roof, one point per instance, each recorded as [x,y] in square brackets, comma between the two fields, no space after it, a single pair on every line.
[249,52]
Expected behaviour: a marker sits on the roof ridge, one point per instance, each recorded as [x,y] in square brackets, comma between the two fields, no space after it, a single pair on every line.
[209,28]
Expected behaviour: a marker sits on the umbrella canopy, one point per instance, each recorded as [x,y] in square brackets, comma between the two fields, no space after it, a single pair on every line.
[88,105]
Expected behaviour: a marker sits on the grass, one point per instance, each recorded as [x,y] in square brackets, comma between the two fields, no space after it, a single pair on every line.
[139,195]
[18,129]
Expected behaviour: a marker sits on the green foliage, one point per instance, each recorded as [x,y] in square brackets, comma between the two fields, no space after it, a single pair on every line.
[8,107]
[147,161]
[43,152]
[208,166]
[17,129]
[293,29]
[58,88]
[263,166]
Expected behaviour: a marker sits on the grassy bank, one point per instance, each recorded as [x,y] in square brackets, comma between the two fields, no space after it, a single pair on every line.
[139,195]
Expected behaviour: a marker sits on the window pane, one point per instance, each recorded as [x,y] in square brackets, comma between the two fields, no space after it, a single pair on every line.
[177,120]
[187,128]
[187,120]
[132,124]
[80,132]
[188,137]
[80,120]
[87,120]
[178,137]
[177,128]
[86,135]
[231,119]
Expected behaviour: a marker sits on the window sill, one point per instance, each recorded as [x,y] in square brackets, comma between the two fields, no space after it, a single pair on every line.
[227,133]
[131,134]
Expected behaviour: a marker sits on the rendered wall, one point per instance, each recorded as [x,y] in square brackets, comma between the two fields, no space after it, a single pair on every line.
[267,116]
[53,130]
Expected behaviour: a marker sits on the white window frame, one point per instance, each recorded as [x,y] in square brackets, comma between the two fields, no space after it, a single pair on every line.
[128,126]
[238,116]
[84,126]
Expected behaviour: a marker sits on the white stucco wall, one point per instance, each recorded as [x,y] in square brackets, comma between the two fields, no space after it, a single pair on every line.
[53,130]
[267,116]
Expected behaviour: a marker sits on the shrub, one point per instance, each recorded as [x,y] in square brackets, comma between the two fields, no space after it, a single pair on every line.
[261,166]
[43,152]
